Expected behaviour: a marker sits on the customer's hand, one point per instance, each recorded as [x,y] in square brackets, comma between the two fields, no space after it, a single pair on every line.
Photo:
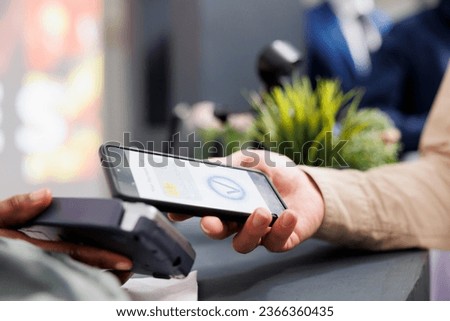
[391,136]
[299,222]
[17,210]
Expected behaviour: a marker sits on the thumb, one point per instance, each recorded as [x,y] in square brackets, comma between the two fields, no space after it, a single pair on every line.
[19,209]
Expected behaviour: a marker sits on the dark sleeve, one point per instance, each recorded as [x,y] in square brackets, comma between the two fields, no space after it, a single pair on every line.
[388,87]
[317,63]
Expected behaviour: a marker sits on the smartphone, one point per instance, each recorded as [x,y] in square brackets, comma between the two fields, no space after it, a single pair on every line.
[189,186]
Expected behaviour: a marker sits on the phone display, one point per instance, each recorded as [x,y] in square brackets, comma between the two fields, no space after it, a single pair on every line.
[186,185]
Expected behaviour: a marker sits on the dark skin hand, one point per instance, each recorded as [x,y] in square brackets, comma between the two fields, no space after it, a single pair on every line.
[17,210]
[299,222]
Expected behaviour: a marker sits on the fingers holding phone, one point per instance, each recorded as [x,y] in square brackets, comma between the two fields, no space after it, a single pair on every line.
[243,200]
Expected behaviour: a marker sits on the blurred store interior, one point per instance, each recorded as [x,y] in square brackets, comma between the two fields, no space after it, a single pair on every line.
[75,74]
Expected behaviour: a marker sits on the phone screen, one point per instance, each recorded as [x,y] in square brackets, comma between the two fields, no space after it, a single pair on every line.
[195,183]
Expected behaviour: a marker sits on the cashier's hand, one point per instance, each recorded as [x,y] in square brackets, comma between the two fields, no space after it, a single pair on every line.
[19,209]
[296,224]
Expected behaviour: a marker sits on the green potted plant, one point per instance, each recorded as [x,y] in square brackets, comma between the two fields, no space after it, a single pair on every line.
[321,126]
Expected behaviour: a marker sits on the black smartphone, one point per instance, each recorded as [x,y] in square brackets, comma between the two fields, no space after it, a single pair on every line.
[185,185]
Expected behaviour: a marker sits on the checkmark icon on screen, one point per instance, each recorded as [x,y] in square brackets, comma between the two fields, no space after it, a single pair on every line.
[231,189]
[226,187]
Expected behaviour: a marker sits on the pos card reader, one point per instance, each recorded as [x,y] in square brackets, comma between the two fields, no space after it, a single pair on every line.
[135,230]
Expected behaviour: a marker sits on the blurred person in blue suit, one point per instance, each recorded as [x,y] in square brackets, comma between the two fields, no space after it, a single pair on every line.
[340,37]
[408,69]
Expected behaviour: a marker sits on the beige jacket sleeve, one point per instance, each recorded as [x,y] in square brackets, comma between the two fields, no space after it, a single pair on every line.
[396,206]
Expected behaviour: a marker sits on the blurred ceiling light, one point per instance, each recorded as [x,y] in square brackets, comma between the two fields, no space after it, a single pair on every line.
[84,86]
[54,19]
[87,32]
[37,106]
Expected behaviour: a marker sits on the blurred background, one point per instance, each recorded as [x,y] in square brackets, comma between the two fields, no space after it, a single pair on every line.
[75,74]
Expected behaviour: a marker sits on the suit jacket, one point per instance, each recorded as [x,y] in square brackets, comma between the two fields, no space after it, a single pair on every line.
[328,55]
[407,71]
